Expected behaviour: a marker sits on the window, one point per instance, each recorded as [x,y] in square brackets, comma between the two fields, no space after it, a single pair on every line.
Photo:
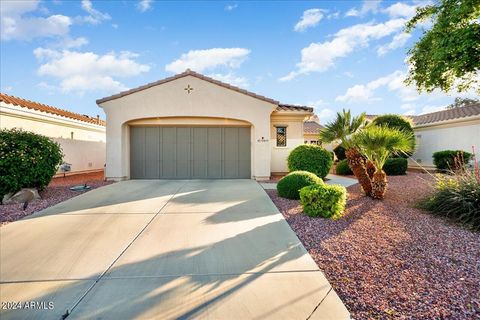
[281,136]
[71,135]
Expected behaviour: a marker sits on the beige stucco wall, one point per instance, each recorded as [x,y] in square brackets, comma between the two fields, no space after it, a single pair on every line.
[455,135]
[295,137]
[86,151]
[171,100]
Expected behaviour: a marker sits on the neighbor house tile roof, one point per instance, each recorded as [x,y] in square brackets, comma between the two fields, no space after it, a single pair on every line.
[188,72]
[312,127]
[24,103]
[443,115]
[449,114]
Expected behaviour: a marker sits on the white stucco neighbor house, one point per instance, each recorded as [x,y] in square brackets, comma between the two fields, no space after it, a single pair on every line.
[190,126]
[451,129]
[82,138]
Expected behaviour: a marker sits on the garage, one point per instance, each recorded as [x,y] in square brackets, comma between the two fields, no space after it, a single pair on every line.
[189,152]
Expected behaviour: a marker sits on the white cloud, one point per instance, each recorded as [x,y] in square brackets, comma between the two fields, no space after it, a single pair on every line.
[319,57]
[7,89]
[95,16]
[69,43]
[231,7]
[348,74]
[429,109]
[407,106]
[392,82]
[231,78]
[309,19]
[402,10]
[201,60]
[15,25]
[144,5]
[367,6]
[326,115]
[86,71]
[398,41]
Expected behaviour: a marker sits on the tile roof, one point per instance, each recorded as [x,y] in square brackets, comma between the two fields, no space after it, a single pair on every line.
[449,114]
[49,109]
[188,72]
[312,127]
[291,107]
[443,115]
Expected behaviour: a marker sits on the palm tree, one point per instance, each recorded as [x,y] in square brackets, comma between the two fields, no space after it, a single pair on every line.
[378,143]
[341,129]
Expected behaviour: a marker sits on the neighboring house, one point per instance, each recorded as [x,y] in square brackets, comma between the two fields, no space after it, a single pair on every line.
[191,126]
[81,137]
[451,129]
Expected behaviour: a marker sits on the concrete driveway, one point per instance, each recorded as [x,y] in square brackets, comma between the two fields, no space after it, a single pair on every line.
[211,249]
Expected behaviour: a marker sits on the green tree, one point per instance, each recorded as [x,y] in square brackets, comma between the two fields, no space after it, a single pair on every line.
[447,56]
[462,102]
[342,129]
[378,143]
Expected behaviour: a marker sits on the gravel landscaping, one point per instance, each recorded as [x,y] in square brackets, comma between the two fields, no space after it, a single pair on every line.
[57,191]
[388,260]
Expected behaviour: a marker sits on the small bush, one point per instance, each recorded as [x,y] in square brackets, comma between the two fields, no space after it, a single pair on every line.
[456,197]
[340,152]
[289,186]
[395,166]
[326,201]
[342,168]
[445,160]
[27,160]
[311,158]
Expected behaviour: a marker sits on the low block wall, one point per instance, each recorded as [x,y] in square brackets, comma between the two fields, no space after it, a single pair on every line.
[84,156]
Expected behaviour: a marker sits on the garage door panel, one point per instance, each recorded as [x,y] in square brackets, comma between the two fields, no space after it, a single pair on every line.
[152,145]
[137,152]
[190,152]
[168,155]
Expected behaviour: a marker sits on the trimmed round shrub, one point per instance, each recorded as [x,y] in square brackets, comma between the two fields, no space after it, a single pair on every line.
[342,168]
[311,158]
[395,166]
[445,160]
[327,201]
[396,121]
[340,152]
[27,160]
[289,186]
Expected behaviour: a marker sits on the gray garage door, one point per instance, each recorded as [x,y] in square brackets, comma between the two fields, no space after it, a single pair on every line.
[189,153]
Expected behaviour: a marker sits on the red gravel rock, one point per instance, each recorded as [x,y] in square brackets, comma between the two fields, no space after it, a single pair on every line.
[388,260]
[57,191]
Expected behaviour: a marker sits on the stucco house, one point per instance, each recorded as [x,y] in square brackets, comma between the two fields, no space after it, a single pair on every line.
[191,126]
[81,137]
[451,129]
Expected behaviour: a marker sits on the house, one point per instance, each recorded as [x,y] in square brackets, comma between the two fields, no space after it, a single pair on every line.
[81,137]
[190,126]
[450,129]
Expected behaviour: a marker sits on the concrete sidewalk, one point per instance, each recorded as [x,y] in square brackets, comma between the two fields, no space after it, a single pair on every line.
[210,249]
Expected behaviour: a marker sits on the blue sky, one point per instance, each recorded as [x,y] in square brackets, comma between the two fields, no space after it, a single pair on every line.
[326,54]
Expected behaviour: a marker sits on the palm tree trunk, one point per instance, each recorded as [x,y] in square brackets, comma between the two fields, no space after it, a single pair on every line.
[379,184]
[357,163]
[371,169]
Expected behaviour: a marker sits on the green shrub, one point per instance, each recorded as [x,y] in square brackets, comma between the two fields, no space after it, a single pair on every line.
[311,158]
[342,168]
[326,201]
[395,166]
[27,160]
[289,186]
[395,121]
[340,152]
[457,197]
[445,160]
